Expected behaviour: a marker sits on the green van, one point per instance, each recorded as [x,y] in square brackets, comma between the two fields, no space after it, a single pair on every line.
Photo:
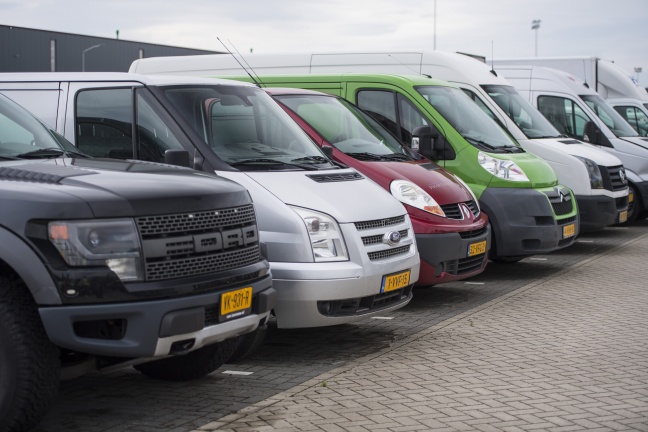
[529,211]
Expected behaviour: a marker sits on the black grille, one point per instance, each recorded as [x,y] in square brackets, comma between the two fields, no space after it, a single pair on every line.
[378,223]
[388,253]
[561,208]
[195,222]
[472,233]
[378,238]
[566,220]
[169,269]
[465,265]
[452,211]
[474,208]
[621,203]
[190,244]
[328,178]
[614,178]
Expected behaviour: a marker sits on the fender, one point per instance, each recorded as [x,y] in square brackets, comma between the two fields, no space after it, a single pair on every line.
[29,267]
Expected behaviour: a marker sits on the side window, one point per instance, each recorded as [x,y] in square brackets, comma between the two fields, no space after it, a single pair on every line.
[602,115]
[479,103]
[104,123]
[635,117]
[105,126]
[381,105]
[410,118]
[558,111]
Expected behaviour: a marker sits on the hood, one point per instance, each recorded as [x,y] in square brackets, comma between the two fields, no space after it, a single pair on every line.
[641,141]
[112,188]
[442,185]
[578,148]
[345,194]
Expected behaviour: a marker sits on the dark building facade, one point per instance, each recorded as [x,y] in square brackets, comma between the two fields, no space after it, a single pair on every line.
[31,50]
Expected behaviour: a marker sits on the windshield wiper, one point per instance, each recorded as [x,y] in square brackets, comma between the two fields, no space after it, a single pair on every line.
[395,156]
[49,152]
[263,161]
[364,156]
[315,159]
[508,149]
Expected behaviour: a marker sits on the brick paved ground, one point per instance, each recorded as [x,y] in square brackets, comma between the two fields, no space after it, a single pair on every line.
[555,342]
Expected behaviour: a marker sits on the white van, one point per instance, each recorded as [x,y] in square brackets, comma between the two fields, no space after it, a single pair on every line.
[578,166]
[617,86]
[340,247]
[579,112]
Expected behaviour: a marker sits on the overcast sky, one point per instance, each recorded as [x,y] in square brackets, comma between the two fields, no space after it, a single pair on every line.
[611,29]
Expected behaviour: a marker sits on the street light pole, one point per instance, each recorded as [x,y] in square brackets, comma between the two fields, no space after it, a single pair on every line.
[84,53]
[435,24]
[535,25]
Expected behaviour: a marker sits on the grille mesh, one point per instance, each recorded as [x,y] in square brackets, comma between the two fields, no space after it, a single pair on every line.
[614,172]
[388,253]
[191,222]
[378,238]
[472,233]
[561,208]
[201,264]
[378,223]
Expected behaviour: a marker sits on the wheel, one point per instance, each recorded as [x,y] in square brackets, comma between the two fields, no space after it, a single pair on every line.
[29,363]
[248,344]
[190,366]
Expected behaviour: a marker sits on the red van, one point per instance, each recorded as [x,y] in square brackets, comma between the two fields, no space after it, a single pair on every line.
[452,234]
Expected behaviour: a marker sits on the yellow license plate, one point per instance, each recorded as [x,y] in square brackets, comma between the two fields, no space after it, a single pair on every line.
[477,248]
[395,281]
[623,216]
[569,230]
[630,197]
[236,303]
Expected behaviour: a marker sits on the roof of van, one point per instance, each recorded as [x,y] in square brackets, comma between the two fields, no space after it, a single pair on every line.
[113,77]
[544,78]
[411,80]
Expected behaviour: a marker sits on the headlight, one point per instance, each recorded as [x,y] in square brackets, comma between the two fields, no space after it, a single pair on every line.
[409,193]
[504,169]
[108,242]
[325,235]
[594,172]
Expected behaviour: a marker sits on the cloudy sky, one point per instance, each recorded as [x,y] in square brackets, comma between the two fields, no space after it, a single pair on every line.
[612,29]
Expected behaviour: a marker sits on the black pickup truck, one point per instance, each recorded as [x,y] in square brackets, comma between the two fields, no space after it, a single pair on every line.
[111,263]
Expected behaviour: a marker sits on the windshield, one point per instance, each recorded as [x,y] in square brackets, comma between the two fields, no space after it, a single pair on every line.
[23,136]
[611,118]
[246,128]
[526,117]
[346,127]
[466,117]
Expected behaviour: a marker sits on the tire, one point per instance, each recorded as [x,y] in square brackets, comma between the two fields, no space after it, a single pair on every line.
[192,365]
[248,344]
[636,208]
[30,364]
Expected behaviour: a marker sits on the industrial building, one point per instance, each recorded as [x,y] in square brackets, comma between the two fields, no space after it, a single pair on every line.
[32,50]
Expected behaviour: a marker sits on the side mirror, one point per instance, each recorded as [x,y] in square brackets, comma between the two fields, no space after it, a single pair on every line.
[591,133]
[427,142]
[178,158]
[328,151]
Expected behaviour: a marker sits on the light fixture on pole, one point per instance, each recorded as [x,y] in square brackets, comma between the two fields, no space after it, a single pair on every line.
[434,46]
[84,53]
[535,25]
[638,70]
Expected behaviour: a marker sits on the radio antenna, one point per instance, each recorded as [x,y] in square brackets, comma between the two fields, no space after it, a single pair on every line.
[492,59]
[246,63]
[413,70]
[258,84]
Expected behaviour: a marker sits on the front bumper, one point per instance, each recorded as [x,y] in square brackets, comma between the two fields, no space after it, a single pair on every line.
[150,328]
[524,222]
[446,258]
[599,211]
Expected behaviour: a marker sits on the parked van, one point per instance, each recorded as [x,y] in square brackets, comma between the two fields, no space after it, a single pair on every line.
[579,112]
[617,86]
[452,234]
[317,221]
[578,166]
